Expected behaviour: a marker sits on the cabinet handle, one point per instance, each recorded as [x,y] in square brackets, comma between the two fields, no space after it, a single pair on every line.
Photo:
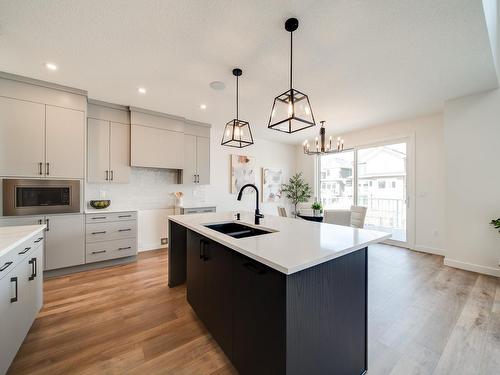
[26,249]
[203,252]
[98,252]
[40,221]
[103,232]
[14,280]
[107,174]
[35,266]
[99,218]
[125,248]
[124,230]
[47,221]
[122,216]
[38,240]
[5,266]
[47,169]
[112,175]
[254,268]
[33,272]
[40,168]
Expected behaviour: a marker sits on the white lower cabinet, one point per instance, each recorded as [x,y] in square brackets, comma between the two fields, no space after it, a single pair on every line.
[65,245]
[21,298]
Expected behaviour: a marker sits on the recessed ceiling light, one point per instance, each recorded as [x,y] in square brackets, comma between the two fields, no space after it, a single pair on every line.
[141,90]
[217,85]
[203,106]
[50,66]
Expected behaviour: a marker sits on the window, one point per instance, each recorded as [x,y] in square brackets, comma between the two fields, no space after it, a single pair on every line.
[338,192]
[394,184]
[381,184]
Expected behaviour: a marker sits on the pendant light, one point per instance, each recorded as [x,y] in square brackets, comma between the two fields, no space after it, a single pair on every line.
[291,110]
[237,132]
[323,147]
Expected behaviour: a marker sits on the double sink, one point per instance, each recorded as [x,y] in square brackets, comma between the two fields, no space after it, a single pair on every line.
[237,230]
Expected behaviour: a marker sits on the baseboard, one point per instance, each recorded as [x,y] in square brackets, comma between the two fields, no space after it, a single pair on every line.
[88,267]
[429,250]
[151,246]
[472,267]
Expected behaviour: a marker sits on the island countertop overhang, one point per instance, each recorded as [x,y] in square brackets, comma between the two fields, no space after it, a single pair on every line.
[293,245]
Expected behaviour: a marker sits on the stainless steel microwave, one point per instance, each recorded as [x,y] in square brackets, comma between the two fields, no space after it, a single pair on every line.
[39,197]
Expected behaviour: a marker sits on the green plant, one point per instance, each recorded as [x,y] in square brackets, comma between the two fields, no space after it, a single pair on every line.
[316,206]
[297,190]
[496,223]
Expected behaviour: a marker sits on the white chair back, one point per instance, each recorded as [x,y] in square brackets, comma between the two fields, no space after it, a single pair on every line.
[282,211]
[358,215]
[339,217]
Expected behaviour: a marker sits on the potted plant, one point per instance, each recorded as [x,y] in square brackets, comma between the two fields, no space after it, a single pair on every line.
[317,208]
[496,223]
[297,190]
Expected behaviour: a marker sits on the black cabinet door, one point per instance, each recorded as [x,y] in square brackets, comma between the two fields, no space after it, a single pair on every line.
[195,273]
[259,318]
[218,292]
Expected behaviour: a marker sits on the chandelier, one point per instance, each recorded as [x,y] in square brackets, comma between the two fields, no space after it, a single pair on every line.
[323,147]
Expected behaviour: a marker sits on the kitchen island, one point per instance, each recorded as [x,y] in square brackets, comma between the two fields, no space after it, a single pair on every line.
[285,297]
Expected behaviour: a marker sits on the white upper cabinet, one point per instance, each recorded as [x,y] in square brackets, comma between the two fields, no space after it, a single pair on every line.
[119,152]
[189,174]
[65,142]
[203,160]
[22,138]
[98,150]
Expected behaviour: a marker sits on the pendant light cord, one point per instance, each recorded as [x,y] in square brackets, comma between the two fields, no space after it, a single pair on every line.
[291,58]
[237,112]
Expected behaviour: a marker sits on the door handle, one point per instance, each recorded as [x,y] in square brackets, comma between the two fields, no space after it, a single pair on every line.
[107,175]
[5,266]
[14,280]
[38,240]
[112,175]
[122,216]
[47,222]
[40,168]
[98,252]
[125,248]
[103,232]
[124,230]
[35,266]
[47,169]
[32,263]
[24,251]
[203,250]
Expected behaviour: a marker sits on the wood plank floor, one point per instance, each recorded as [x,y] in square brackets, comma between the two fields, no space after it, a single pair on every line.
[424,318]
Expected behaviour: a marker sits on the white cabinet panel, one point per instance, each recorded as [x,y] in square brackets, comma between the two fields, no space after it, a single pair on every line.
[189,171]
[98,150]
[156,148]
[65,142]
[20,220]
[65,241]
[203,160]
[119,152]
[22,137]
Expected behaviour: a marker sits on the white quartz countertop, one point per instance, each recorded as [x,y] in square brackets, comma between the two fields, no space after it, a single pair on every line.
[293,246]
[11,237]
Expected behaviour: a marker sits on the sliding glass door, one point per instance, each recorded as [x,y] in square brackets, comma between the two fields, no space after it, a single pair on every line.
[381,186]
[375,177]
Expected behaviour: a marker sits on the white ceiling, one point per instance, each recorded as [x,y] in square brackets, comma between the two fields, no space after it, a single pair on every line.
[362,62]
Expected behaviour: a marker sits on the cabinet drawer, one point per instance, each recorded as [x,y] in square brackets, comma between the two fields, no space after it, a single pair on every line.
[99,251]
[12,258]
[111,216]
[198,210]
[111,231]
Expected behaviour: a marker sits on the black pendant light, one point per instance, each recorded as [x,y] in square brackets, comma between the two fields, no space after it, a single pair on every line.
[237,132]
[291,110]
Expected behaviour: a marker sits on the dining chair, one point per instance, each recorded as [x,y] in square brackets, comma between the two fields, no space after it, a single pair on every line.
[282,211]
[358,215]
[339,217]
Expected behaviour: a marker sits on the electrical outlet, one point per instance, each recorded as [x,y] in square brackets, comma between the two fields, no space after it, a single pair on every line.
[164,241]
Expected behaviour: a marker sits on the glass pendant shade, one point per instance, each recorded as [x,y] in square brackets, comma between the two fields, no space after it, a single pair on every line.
[237,134]
[291,112]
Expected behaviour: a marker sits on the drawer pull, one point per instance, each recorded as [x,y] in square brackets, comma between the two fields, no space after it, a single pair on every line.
[122,216]
[5,266]
[32,262]
[99,218]
[98,252]
[124,230]
[14,280]
[39,239]
[125,248]
[24,251]
[103,232]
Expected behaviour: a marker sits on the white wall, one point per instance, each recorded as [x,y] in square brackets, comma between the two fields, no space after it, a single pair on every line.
[429,183]
[472,139]
[150,191]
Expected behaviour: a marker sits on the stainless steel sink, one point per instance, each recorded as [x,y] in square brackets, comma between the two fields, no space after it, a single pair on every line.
[237,230]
